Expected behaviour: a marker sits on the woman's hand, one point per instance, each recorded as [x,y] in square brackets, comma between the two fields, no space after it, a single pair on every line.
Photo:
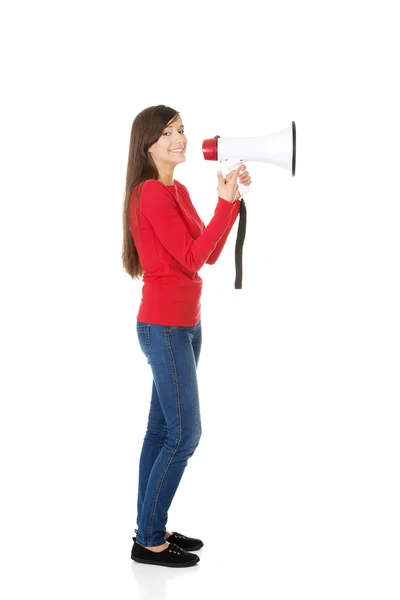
[228,187]
[244,178]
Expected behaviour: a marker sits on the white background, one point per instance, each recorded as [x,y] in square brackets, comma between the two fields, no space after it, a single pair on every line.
[294,487]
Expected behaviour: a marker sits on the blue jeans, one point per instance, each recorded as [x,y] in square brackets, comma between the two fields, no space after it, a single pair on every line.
[174,424]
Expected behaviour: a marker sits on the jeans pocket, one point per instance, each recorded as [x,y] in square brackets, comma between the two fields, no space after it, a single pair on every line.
[143,333]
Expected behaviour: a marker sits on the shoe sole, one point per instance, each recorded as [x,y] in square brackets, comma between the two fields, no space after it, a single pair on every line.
[157,562]
[192,549]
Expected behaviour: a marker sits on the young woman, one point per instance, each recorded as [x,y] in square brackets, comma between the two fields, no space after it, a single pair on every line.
[166,241]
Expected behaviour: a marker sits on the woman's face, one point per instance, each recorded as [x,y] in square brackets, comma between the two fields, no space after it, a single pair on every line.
[166,148]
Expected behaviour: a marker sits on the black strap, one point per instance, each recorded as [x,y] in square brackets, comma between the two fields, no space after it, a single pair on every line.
[241,234]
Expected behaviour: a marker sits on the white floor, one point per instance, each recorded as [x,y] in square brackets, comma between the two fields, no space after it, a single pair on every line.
[292,533]
[294,487]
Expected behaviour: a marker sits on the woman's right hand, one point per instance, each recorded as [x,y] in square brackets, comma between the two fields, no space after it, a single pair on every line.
[228,189]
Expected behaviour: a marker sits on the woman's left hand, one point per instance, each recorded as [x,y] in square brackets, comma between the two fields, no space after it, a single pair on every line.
[244,178]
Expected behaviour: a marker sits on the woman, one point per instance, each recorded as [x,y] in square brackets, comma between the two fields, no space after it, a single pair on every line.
[166,241]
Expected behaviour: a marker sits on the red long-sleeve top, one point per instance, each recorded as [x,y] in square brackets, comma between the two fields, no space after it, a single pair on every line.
[173,244]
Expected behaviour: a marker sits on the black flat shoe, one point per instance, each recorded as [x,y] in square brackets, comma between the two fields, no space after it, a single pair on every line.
[173,556]
[184,542]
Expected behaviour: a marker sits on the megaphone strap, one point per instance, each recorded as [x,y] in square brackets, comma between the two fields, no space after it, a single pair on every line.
[241,234]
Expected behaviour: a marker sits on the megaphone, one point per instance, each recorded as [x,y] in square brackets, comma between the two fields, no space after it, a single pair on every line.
[278,149]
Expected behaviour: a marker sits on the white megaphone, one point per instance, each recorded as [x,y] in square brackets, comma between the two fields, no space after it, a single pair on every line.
[278,149]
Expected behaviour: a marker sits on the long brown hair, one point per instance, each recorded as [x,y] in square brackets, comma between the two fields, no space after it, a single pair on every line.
[147,127]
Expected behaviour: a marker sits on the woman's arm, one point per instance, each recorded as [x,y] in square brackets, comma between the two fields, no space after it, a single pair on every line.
[160,209]
[212,259]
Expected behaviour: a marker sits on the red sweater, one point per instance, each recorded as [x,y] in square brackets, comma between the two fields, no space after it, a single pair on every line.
[173,244]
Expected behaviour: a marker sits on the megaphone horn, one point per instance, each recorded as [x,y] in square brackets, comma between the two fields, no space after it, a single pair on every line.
[278,149]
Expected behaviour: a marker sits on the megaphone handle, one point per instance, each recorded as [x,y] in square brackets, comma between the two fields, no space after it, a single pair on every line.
[243,189]
[232,163]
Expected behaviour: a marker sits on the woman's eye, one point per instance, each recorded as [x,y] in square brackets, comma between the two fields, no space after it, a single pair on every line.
[181,131]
